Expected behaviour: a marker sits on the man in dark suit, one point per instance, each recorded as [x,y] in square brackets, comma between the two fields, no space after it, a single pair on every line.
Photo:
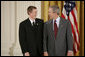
[31,34]
[58,40]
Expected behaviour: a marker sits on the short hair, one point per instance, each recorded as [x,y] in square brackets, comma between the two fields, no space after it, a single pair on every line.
[30,9]
[55,7]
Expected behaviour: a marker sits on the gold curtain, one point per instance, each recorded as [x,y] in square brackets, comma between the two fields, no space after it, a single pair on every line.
[80,13]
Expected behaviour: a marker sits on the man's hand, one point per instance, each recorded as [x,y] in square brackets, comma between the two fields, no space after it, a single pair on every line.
[70,53]
[45,54]
[27,54]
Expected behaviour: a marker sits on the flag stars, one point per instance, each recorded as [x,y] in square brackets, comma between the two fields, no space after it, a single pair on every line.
[69,4]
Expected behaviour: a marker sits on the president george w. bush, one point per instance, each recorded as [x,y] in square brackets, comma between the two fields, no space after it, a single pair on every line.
[58,40]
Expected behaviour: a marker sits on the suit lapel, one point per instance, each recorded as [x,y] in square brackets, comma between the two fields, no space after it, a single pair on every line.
[29,22]
[51,29]
[60,26]
[51,25]
[29,25]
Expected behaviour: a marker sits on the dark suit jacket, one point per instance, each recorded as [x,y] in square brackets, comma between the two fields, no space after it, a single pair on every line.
[31,37]
[63,41]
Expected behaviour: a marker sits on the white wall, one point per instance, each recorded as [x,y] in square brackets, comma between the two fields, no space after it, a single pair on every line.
[12,13]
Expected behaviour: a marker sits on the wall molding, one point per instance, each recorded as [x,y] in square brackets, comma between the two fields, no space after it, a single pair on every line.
[12,13]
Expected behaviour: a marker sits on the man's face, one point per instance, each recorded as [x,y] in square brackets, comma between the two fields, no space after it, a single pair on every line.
[33,14]
[50,13]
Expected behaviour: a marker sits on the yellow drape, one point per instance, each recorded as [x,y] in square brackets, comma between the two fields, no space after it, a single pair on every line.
[80,13]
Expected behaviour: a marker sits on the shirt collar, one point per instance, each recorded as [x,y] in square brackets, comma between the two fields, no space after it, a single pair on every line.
[57,20]
[31,20]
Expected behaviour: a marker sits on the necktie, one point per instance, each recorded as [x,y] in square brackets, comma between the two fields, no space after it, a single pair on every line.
[33,23]
[55,28]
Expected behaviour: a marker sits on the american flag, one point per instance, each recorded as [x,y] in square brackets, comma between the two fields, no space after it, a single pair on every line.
[70,12]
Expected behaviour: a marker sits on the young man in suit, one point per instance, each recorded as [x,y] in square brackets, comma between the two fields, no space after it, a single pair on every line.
[31,34]
[58,40]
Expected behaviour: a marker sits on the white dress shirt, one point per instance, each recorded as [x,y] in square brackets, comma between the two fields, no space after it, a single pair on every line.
[57,22]
[32,21]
